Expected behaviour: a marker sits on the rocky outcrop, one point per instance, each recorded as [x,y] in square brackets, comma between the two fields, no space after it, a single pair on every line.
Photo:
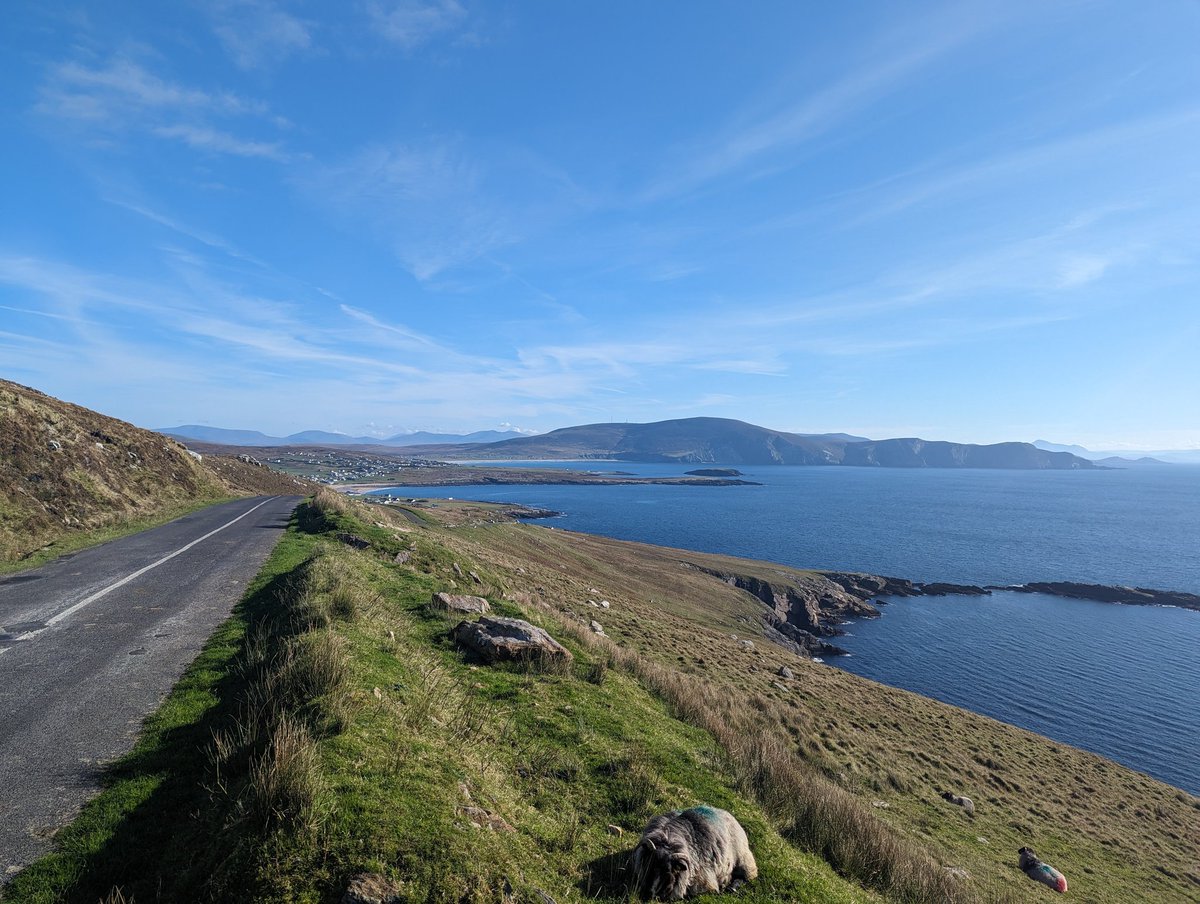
[870,586]
[814,606]
[1130,596]
[497,639]
[796,639]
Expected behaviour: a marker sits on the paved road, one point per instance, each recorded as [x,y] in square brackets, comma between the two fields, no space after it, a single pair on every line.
[91,643]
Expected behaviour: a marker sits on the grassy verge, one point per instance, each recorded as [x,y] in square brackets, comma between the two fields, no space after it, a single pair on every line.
[71,542]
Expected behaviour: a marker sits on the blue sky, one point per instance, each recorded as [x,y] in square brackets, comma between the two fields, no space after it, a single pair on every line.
[964,221]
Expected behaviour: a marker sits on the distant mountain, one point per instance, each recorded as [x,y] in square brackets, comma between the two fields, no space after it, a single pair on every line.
[919,453]
[429,439]
[219,435]
[1059,447]
[723,441]
[1121,459]
[225,437]
[1116,461]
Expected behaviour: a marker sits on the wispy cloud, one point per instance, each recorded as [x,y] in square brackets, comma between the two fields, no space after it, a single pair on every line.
[890,61]
[214,140]
[259,33]
[411,23]
[904,191]
[123,96]
[441,204]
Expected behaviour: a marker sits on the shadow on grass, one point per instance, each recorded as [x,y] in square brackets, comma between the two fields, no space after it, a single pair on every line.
[156,831]
[606,877]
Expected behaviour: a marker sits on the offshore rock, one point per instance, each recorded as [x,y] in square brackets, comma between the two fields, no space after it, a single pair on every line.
[1130,596]
[942,589]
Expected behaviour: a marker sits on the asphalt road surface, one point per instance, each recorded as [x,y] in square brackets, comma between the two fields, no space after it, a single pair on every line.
[91,643]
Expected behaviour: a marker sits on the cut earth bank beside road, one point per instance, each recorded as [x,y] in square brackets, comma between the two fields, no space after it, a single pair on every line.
[681,700]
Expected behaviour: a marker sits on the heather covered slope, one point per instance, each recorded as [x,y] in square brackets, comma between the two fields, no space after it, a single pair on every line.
[66,472]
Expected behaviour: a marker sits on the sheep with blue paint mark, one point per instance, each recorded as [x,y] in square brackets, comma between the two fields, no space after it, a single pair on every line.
[692,852]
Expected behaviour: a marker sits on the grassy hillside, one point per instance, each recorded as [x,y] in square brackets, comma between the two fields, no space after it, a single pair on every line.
[331,728]
[70,477]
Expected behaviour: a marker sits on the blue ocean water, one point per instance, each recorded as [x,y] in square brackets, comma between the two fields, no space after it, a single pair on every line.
[1123,681]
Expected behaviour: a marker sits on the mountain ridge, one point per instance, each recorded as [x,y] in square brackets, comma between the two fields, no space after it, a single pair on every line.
[706,440]
[233,437]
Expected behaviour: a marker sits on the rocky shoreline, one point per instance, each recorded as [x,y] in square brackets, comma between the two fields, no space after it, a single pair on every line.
[803,610]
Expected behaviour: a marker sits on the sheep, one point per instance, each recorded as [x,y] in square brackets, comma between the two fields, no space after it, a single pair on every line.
[1038,871]
[965,802]
[691,852]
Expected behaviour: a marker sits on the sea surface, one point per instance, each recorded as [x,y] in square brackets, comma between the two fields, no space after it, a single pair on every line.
[1122,681]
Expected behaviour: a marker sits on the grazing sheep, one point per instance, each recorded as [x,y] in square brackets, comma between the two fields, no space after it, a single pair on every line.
[691,852]
[1038,871]
[965,802]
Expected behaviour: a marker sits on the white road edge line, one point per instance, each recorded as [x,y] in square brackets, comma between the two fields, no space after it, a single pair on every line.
[71,610]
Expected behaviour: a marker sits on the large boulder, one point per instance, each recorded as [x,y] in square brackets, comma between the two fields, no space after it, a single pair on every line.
[496,639]
[459,603]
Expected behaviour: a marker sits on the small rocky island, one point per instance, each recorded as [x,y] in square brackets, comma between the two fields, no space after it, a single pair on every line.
[714,472]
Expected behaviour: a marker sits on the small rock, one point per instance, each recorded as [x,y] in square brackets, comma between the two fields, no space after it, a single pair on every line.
[464,790]
[55,445]
[776,684]
[880,804]
[353,540]
[957,872]
[597,627]
[378,693]
[603,604]
[372,888]
[614,830]
[485,819]
[746,645]
[476,578]
[402,557]
[785,672]
[451,602]
[457,569]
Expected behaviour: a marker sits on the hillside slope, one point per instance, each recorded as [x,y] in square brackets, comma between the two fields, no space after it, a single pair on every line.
[66,471]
